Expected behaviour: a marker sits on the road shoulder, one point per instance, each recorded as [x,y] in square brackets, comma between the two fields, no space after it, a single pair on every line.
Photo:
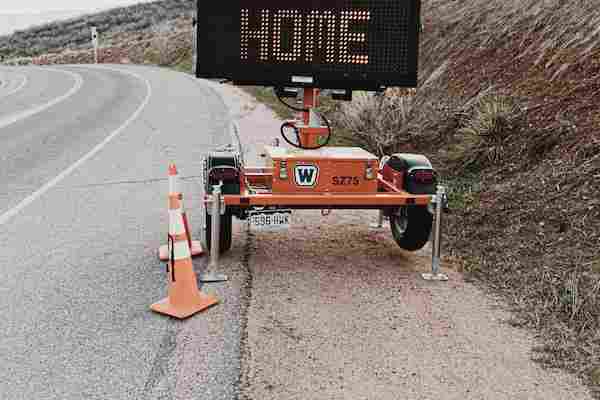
[338,311]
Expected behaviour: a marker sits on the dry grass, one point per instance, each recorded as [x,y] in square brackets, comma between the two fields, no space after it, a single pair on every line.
[567,30]
[487,129]
[74,33]
[494,118]
[162,44]
[362,120]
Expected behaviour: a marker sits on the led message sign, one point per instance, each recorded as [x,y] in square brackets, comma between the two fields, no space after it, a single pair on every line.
[337,44]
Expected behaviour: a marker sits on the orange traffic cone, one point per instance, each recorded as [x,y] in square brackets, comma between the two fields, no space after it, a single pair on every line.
[184,298]
[194,245]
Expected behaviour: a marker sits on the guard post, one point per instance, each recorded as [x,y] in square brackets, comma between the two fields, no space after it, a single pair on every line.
[95,43]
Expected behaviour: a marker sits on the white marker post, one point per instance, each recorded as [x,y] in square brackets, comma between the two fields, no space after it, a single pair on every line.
[95,43]
[194,45]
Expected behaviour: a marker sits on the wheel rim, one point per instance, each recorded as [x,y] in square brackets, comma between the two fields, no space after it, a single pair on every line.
[400,220]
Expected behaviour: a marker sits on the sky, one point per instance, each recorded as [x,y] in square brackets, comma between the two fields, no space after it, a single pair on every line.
[30,6]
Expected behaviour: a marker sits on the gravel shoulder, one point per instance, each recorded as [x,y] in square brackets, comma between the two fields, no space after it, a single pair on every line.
[336,311]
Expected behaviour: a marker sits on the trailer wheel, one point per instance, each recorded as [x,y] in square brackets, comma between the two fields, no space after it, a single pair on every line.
[411,227]
[225,237]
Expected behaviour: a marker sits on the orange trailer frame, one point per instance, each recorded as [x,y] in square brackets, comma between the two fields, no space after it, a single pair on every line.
[388,196]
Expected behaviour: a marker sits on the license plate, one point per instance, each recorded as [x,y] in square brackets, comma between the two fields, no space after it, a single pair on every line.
[268,220]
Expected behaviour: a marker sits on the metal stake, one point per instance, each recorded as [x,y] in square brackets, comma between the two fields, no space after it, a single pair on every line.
[379,224]
[215,236]
[435,274]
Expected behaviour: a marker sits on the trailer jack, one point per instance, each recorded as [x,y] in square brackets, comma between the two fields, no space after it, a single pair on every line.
[438,206]
[216,209]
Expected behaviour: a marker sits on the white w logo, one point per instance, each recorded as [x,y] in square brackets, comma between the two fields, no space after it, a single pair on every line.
[306,175]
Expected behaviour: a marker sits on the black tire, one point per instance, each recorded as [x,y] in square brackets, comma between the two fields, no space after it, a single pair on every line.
[411,227]
[225,237]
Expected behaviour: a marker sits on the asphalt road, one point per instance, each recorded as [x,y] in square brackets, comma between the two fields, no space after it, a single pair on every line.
[84,152]
[10,83]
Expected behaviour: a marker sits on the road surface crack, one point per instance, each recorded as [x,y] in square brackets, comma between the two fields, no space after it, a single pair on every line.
[161,361]
[245,300]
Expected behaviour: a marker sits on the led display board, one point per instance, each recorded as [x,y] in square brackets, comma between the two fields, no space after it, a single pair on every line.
[334,44]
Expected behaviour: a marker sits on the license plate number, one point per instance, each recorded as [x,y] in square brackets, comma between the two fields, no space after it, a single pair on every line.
[270,220]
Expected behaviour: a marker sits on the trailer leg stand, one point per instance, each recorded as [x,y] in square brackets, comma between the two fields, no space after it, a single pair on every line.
[215,234]
[435,274]
[376,226]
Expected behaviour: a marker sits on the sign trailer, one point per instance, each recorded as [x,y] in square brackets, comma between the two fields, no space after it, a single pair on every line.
[342,45]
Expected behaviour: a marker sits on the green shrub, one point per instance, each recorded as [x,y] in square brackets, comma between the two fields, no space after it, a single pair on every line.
[486,129]
[493,118]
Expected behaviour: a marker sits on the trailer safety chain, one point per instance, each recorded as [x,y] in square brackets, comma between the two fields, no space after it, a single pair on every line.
[171,243]
[169,251]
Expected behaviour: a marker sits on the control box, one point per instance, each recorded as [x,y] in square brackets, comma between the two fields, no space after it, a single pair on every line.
[326,170]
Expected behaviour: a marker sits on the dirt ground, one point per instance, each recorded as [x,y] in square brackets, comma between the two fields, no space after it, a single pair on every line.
[337,311]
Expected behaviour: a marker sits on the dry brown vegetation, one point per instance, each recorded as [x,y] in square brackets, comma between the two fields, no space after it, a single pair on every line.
[507,109]
[74,33]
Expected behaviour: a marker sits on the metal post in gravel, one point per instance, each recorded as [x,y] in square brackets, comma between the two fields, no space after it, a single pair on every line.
[379,224]
[435,274]
[215,234]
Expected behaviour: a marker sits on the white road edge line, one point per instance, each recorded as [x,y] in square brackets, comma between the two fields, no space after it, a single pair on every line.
[11,119]
[18,88]
[38,193]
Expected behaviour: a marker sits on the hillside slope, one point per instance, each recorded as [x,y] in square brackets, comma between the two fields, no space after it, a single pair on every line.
[75,33]
[507,109]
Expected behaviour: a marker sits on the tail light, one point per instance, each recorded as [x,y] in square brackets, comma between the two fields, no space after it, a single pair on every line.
[224,174]
[421,181]
[424,176]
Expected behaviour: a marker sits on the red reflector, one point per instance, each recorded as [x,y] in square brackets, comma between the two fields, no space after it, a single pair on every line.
[423,176]
[224,174]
